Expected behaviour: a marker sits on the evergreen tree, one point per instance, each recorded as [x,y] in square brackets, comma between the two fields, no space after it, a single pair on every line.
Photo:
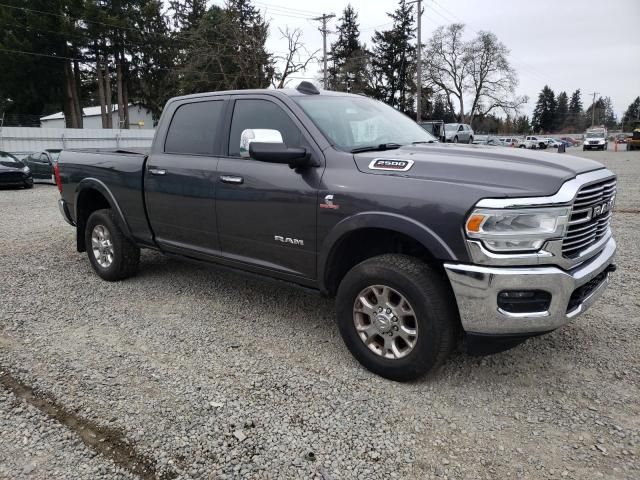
[604,113]
[562,111]
[631,114]
[394,58]
[348,57]
[522,125]
[441,110]
[575,118]
[545,111]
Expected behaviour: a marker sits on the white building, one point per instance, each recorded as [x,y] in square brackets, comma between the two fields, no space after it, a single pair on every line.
[139,118]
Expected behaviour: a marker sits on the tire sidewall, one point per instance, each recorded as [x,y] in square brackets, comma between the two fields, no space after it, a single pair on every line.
[424,354]
[104,218]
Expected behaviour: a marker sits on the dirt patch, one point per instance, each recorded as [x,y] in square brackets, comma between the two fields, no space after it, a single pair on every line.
[105,441]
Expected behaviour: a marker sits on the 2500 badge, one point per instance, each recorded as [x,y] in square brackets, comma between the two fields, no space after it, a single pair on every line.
[390,164]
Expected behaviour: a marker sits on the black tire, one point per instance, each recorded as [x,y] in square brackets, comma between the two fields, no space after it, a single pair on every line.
[126,255]
[522,146]
[584,149]
[470,140]
[431,299]
[455,139]
[28,185]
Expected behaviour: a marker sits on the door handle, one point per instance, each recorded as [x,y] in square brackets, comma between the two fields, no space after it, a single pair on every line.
[157,171]
[231,179]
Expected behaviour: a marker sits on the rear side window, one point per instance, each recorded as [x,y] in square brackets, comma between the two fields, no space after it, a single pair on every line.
[253,113]
[193,128]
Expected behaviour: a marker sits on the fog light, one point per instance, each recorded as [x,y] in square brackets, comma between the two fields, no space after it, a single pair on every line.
[524,301]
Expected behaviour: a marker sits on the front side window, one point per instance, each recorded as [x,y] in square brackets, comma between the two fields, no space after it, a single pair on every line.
[261,114]
[356,122]
[193,128]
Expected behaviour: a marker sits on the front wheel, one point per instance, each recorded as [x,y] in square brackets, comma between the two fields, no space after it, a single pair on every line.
[112,255]
[397,316]
[522,146]
[470,140]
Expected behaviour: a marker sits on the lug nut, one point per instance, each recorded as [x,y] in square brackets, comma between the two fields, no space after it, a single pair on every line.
[379,309]
[395,327]
[388,310]
[395,319]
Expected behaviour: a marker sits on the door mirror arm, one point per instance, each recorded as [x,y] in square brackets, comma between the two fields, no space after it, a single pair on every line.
[295,157]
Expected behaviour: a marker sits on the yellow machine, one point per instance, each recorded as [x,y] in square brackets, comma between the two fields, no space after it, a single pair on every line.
[633,142]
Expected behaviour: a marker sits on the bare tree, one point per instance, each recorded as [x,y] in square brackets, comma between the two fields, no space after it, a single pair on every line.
[447,64]
[477,70]
[295,60]
[492,80]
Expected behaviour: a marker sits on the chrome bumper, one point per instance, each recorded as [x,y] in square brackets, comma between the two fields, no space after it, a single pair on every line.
[477,287]
[64,211]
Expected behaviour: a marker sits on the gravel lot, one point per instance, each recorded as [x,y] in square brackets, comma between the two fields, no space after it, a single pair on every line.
[191,372]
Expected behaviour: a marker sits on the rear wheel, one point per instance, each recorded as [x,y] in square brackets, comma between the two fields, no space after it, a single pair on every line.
[396,316]
[112,255]
[470,140]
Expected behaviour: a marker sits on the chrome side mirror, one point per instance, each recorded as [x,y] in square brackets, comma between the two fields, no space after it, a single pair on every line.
[260,135]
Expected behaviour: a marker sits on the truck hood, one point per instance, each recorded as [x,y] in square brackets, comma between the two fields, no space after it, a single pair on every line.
[502,171]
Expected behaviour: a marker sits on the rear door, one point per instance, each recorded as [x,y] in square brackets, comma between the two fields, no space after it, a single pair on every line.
[41,166]
[180,178]
[267,211]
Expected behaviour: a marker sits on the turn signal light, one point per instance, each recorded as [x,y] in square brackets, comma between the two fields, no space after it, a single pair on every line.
[474,222]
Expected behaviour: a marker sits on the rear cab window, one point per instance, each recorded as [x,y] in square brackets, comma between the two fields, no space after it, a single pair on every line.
[193,128]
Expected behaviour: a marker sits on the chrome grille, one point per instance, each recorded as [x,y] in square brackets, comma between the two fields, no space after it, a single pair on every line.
[587,227]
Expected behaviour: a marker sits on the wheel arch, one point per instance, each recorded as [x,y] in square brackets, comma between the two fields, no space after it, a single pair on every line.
[350,242]
[91,195]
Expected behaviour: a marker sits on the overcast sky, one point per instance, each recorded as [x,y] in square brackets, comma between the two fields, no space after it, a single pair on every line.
[593,45]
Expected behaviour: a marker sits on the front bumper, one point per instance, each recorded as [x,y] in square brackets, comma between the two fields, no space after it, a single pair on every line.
[477,287]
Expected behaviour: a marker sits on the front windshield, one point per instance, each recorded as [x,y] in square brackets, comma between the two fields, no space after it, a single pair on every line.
[54,154]
[360,122]
[595,135]
[7,157]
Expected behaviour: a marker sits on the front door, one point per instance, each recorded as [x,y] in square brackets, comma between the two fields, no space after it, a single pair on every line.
[180,179]
[266,212]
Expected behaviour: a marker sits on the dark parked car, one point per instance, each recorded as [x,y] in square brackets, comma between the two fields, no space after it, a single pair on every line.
[422,243]
[13,172]
[41,164]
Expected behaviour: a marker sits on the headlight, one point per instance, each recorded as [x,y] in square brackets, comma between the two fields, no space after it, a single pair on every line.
[516,230]
[25,169]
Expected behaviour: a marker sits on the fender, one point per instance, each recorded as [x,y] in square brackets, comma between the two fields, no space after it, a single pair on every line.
[91,183]
[389,221]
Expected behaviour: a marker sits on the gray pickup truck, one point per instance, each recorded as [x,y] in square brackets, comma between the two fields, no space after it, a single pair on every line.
[425,246]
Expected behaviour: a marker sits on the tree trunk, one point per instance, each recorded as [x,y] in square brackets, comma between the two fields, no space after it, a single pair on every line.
[119,87]
[125,93]
[76,92]
[107,97]
[101,92]
[71,114]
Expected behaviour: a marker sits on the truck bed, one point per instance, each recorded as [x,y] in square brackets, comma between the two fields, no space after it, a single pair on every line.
[122,170]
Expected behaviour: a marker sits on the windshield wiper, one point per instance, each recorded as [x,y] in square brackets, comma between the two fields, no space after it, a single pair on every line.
[423,141]
[376,148]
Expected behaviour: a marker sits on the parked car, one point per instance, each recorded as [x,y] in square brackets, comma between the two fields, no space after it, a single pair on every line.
[42,163]
[510,141]
[326,190]
[571,141]
[552,142]
[533,142]
[595,139]
[621,138]
[458,133]
[13,172]
[490,140]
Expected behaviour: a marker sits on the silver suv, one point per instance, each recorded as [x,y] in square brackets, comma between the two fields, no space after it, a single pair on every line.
[458,133]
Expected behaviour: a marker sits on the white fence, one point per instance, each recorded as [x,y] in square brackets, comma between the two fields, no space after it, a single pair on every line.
[22,140]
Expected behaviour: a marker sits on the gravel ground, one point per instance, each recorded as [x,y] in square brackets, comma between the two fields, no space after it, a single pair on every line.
[194,372]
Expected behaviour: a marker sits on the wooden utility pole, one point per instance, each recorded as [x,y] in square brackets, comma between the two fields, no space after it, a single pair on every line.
[324,18]
[419,64]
